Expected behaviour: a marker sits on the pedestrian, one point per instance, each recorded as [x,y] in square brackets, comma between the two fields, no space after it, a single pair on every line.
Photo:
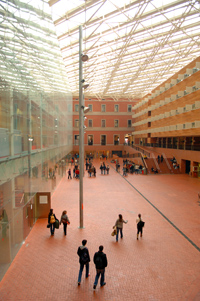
[119,226]
[69,174]
[94,171]
[84,259]
[77,172]
[51,221]
[100,261]
[140,225]
[107,169]
[65,220]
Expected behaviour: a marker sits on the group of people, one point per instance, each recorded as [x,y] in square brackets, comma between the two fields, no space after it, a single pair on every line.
[160,159]
[100,258]
[174,163]
[118,227]
[155,170]
[92,171]
[53,221]
[104,169]
[76,172]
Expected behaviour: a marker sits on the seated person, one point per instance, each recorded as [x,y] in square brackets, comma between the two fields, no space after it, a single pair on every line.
[152,169]
[155,170]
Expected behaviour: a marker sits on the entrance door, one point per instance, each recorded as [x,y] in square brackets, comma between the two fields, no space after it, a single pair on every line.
[187,166]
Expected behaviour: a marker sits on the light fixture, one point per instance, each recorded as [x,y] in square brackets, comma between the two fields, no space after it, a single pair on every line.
[84,57]
[85,127]
[85,109]
[30,138]
[85,86]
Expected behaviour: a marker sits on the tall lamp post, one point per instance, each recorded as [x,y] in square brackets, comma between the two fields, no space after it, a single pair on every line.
[82,111]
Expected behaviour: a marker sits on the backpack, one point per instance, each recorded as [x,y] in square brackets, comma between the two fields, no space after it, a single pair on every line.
[52,219]
[84,256]
[99,261]
[140,224]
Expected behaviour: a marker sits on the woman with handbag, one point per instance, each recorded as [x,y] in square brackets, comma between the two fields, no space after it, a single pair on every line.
[119,226]
[51,221]
[65,220]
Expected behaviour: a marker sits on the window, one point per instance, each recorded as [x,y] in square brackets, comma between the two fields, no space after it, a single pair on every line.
[76,123]
[116,123]
[116,140]
[90,139]
[103,139]
[103,123]
[90,106]
[116,108]
[129,108]
[76,108]
[90,123]
[76,139]
[103,108]
[129,123]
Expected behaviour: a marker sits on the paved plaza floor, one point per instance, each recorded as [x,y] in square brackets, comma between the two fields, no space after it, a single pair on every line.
[163,265]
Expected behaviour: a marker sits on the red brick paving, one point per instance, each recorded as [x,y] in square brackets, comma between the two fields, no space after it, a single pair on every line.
[162,265]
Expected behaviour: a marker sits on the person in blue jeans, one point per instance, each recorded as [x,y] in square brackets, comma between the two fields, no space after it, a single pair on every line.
[51,221]
[119,226]
[84,259]
[100,261]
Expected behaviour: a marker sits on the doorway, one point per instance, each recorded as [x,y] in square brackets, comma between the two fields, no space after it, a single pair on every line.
[187,166]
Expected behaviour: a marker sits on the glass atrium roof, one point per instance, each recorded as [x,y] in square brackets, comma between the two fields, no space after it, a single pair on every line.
[133,45]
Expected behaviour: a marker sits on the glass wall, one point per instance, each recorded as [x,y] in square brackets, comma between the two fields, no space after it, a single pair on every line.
[35,118]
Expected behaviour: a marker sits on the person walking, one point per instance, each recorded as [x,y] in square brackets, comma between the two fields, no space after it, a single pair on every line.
[119,226]
[100,261]
[69,174]
[65,220]
[84,259]
[51,221]
[107,169]
[140,225]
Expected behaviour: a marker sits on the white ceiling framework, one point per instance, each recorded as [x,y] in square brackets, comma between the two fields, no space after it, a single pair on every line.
[133,45]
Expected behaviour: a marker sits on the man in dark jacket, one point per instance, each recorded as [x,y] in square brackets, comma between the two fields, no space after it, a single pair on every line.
[84,259]
[100,261]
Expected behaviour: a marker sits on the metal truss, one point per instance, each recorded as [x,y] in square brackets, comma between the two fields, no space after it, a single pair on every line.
[133,46]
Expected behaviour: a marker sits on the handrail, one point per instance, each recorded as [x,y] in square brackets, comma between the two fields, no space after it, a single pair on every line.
[156,163]
[168,165]
[141,150]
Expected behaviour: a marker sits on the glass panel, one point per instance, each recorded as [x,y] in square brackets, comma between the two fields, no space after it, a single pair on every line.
[103,108]
[103,139]
[90,139]
[35,119]
[103,123]
[116,140]
[116,123]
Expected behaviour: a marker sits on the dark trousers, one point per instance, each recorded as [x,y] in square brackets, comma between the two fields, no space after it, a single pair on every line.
[65,228]
[52,228]
[102,273]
